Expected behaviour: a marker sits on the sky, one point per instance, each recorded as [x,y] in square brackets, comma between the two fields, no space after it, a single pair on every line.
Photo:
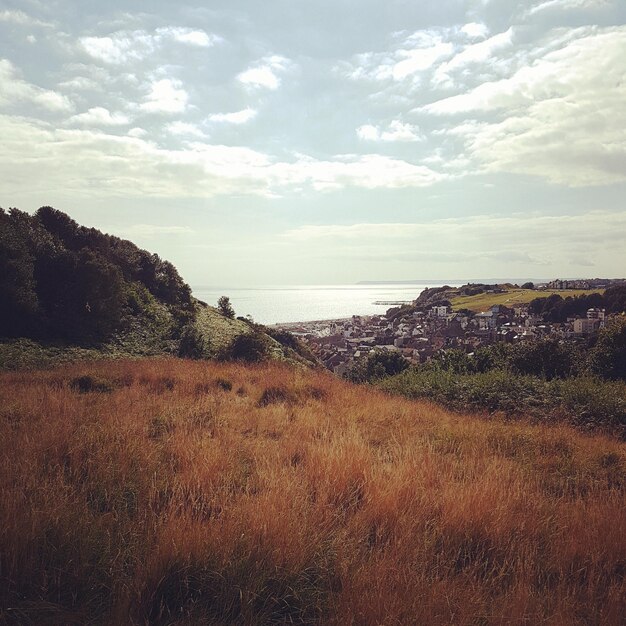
[298,142]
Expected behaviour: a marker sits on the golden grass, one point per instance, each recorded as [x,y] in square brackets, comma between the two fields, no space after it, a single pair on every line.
[178,492]
[512,297]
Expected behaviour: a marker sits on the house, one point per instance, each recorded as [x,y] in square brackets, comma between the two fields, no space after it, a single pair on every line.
[440,311]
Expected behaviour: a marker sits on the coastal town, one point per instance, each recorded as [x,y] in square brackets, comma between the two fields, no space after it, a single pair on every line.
[420,332]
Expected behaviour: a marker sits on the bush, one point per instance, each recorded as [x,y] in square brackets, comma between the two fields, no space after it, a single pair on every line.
[377,365]
[86,384]
[251,348]
[581,400]
[545,358]
[192,344]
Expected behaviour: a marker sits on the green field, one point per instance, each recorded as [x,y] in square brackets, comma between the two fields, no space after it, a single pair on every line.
[511,297]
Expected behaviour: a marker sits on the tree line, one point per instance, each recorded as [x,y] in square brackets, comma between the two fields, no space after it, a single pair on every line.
[63,281]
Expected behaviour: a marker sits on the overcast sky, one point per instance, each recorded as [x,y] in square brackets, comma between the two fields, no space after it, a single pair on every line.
[326,141]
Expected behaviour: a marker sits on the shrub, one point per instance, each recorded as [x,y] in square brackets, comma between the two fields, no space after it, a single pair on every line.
[251,348]
[377,365]
[86,384]
[192,344]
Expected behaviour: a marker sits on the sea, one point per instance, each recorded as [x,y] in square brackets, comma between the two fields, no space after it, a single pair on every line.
[304,303]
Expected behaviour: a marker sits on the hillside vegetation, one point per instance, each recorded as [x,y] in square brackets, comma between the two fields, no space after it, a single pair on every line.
[186,492]
[68,292]
[511,297]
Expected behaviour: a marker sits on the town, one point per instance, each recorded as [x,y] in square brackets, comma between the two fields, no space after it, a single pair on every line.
[420,332]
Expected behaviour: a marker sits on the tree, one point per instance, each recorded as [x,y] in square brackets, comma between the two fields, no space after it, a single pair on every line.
[225,307]
[528,285]
[546,358]
[377,365]
[608,357]
[18,299]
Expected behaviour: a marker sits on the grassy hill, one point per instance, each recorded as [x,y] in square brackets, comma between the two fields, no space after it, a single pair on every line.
[68,292]
[511,297]
[164,491]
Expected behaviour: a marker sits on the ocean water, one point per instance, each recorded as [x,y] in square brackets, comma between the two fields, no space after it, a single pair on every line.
[273,305]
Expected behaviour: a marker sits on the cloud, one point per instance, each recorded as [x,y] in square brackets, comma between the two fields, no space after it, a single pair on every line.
[396,131]
[184,128]
[14,90]
[519,239]
[21,18]
[99,116]
[76,161]
[189,36]
[568,5]
[474,30]
[564,117]
[418,52]
[473,54]
[166,96]
[238,117]
[126,46]
[266,73]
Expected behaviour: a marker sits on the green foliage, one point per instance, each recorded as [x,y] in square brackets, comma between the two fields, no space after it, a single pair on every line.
[547,358]
[18,299]
[62,281]
[582,400]
[251,348]
[192,343]
[554,308]
[608,356]
[377,365]
[528,285]
[225,307]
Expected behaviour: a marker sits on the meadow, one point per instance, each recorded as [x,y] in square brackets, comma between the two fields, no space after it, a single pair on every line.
[512,297]
[165,491]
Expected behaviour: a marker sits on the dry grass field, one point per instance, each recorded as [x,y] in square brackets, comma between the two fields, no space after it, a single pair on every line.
[179,492]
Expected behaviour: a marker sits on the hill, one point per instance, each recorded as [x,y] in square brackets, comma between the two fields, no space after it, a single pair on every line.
[179,492]
[510,297]
[68,292]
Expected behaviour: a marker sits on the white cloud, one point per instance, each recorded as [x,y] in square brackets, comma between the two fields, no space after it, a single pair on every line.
[14,90]
[475,53]
[166,96]
[419,59]
[396,131]
[568,5]
[238,117]
[475,31]
[419,52]
[266,73]
[74,162]
[125,46]
[565,118]
[99,116]
[21,18]
[184,128]
[189,36]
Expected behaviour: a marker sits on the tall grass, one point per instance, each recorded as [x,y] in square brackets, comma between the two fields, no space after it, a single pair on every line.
[178,492]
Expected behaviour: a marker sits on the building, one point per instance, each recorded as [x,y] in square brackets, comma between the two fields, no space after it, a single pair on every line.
[584,326]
